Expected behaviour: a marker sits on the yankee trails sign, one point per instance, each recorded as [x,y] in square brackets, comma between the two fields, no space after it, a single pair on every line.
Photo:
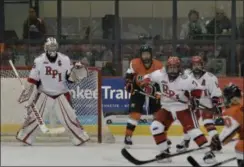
[114,96]
[107,93]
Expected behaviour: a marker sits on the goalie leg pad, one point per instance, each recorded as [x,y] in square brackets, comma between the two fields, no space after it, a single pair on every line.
[30,127]
[68,119]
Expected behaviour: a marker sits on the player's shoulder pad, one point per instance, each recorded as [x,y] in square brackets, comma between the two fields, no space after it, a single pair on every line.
[40,57]
[135,60]
[184,76]
[156,73]
[158,63]
[64,56]
[210,74]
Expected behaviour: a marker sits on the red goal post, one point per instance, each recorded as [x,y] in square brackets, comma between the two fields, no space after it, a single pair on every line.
[86,100]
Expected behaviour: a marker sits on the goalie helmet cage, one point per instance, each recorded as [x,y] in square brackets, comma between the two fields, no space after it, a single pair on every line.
[86,100]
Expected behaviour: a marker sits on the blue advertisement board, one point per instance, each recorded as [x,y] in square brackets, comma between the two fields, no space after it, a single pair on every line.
[114,96]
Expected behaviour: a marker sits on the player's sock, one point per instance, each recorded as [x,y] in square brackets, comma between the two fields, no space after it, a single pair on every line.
[130,127]
[198,137]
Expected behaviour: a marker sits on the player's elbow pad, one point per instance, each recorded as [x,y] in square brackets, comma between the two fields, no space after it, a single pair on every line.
[32,81]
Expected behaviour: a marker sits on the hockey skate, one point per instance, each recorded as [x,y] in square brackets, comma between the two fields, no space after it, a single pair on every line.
[128,142]
[163,157]
[183,146]
[209,158]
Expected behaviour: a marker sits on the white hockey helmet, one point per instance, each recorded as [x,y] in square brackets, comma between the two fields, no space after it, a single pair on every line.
[51,46]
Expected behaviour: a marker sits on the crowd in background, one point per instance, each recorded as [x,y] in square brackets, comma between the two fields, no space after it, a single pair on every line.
[196,28]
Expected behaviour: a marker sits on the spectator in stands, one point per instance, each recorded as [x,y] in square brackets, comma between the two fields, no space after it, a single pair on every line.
[108,69]
[220,28]
[194,28]
[34,27]
[219,25]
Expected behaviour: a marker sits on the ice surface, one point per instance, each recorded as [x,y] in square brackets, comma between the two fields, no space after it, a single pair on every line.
[97,154]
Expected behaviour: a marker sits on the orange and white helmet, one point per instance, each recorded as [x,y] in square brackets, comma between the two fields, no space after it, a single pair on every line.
[173,66]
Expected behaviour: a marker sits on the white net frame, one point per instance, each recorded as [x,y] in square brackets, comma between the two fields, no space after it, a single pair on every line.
[88,106]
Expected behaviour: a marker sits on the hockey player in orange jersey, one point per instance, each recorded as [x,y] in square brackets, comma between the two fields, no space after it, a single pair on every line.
[233,117]
[139,67]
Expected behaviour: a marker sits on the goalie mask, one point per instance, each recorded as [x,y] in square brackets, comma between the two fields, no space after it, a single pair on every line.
[51,47]
[173,67]
[146,55]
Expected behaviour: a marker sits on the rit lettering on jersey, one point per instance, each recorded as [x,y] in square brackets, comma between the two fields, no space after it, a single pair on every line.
[53,73]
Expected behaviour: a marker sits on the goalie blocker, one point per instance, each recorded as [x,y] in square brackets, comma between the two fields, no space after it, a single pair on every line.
[50,73]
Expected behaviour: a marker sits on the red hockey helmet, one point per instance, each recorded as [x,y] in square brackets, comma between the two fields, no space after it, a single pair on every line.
[197,64]
[173,66]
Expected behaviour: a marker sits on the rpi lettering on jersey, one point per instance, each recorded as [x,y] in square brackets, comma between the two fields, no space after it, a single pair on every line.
[167,91]
[53,73]
[108,93]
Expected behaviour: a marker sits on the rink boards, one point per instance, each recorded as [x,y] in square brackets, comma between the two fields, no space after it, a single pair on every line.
[12,113]
[175,130]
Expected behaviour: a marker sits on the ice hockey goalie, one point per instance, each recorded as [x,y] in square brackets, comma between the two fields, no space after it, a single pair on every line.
[46,88]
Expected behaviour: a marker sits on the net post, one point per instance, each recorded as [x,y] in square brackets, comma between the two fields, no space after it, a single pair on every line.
[99,102]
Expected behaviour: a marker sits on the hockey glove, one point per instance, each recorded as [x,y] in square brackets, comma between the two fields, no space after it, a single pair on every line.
[216,101]
[129,82]
[215,143]
[129,85]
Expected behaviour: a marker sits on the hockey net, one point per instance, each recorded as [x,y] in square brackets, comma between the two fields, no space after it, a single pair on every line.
[86,100]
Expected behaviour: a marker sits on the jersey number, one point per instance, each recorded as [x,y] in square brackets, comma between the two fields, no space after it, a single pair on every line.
[53,73]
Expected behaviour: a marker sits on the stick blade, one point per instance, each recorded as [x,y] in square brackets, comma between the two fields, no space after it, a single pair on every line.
[192,161]
[131,159]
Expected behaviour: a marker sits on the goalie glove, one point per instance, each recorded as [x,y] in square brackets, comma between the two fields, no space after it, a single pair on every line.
[78,72]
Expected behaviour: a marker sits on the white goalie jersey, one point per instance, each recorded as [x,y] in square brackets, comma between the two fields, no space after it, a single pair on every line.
[51,76]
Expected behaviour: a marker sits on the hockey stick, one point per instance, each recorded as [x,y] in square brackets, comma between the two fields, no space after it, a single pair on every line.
[194,163]
[178,100]
[33,108]
[135,161]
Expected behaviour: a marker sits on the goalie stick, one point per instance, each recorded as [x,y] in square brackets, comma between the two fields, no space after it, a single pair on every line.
[194,163]
[33,108]
[135,161]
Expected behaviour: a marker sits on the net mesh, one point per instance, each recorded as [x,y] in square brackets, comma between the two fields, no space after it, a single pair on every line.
[86,96]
